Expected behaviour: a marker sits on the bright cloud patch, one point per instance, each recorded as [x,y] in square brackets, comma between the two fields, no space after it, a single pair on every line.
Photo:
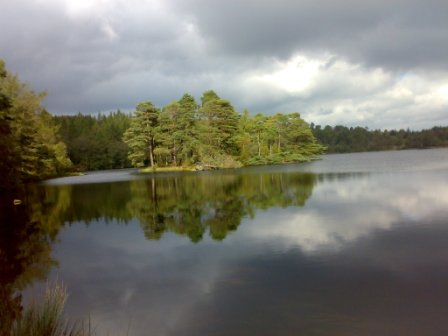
[375,206]
[294,76]
[330,90]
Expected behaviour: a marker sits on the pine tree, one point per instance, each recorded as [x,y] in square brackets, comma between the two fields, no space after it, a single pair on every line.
[141,135]
[219,124]
[186,133]
[169,134]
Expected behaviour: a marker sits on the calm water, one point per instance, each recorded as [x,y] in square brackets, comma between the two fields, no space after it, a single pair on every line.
[354,244]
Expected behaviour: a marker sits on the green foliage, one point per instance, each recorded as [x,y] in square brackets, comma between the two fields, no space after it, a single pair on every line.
[208,96]
[141,135]
[95,142]
[187,129]
[275,139]
[29,142]
[218,126]
[214,135]
[341,139]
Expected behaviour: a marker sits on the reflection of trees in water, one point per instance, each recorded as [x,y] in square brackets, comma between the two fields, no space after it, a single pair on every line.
[193,205]
[91,202]
[184,205]
[190,205]
[27,231]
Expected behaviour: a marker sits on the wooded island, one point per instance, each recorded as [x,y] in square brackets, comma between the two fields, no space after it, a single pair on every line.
[213,134]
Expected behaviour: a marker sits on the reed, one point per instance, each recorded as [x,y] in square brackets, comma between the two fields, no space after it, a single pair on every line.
[46,318]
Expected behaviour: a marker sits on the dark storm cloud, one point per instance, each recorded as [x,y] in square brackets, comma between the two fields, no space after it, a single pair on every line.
[393,34]
[93,61]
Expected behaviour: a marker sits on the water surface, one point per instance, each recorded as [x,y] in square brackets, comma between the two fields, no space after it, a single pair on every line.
[354,244]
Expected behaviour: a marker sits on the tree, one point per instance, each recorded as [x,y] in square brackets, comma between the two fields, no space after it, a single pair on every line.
[140,136]
[258,130]
[208,96]
[29,143]
[219,124]
[243,137]
[52,152]
[277,139]
[186,134]
[170,134]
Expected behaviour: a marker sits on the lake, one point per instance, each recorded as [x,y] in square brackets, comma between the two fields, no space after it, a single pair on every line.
[353,244]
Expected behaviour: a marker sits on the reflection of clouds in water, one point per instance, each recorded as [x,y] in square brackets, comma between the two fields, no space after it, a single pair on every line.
[103,176]
[148,285]
[341,211]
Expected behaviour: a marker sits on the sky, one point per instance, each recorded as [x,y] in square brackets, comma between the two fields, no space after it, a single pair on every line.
[377,64]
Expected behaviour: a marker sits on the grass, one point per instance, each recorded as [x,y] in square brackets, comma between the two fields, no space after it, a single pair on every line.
[46,318]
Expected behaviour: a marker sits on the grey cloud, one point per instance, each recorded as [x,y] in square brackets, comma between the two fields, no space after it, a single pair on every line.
[393,34]
[82,67]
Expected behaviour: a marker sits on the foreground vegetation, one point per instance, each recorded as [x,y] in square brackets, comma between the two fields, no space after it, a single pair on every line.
[45,318]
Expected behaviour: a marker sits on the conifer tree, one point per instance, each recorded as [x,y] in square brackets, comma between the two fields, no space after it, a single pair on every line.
[141,135]
[219,123]
[187,129]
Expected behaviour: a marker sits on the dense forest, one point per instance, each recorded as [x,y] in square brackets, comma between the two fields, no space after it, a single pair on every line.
[95,142]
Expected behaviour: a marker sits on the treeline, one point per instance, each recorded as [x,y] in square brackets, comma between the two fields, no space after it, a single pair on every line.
[213,134]
[341,139]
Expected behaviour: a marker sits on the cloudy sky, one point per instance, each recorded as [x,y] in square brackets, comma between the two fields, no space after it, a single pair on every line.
[380,64]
